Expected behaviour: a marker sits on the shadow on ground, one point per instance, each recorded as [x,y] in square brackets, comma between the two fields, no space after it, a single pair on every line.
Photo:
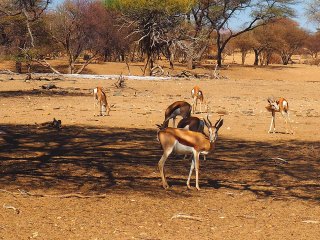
[44,93]
[96,160]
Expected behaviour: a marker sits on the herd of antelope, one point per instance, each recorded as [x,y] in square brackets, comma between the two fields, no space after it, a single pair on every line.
[190,137]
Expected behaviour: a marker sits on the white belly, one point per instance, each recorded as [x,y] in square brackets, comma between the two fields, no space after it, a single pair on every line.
[182,149]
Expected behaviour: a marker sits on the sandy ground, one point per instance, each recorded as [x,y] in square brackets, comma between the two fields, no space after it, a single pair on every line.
[97,177]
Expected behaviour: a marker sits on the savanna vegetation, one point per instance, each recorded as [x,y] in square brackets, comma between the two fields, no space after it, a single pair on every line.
[185,31]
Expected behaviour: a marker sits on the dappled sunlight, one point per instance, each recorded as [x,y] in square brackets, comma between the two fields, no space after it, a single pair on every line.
[96,160]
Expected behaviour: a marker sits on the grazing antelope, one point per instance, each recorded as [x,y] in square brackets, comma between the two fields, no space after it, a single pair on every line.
[183,141]
[282,106]
[192,123]
[196,95]
[100,98]
[181,108]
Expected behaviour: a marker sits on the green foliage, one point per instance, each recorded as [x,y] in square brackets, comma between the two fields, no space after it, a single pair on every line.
[165,6]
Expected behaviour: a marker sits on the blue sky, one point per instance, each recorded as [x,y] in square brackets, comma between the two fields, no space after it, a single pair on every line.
[301,17]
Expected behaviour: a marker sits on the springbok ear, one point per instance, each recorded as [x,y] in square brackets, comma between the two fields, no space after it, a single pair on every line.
[271,99]
[219,124]
[159,126]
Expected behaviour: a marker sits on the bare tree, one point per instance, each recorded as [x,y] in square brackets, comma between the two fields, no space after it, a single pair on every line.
[244,43]
[290,38]
[260,12]
[27,11]
[313,11]
[265,43]
[152,24]
[312,44]
[30,9]
[81,26]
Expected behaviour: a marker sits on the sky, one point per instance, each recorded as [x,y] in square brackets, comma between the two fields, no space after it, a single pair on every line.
[301,17]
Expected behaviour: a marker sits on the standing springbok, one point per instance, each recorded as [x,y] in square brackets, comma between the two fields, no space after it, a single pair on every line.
[183,141]
[100,98]
[181,108]
[196,95]
[282,106]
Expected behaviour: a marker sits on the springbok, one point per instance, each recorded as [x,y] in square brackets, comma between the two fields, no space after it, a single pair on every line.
[196,95]
[100,98]
[282,106]
[182,141]
[194,124]
[181,108]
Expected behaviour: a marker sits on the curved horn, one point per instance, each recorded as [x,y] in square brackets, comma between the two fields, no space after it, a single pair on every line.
[209,120]
[207,124]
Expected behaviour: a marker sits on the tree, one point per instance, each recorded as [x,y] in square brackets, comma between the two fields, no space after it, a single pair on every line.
[313,11]
[196,34]
[219,13]
[283,37]
[100,24]
[152,22]
[82,26]
[312,44]
[290,37]
[244,43]
[27,12]
[31,10]
[265,44]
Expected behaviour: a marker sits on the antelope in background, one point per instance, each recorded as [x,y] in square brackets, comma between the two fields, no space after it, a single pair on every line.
[282,106]
[100,98]
[182,141]
[196,95]
[181,108]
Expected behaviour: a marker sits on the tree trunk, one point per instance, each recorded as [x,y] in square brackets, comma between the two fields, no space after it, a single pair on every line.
[219,57]
[148,65]
[243,56]
[28,77]
[256,57]
[190,63]
[71,68]
[171,60]
[268,57]
[285,59]
[19,66]
[106,55]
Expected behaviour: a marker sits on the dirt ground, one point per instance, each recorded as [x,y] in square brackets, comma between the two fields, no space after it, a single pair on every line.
[97,177]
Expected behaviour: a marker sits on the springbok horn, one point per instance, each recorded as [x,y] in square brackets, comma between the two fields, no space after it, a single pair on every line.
[209,120]
[207,124]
